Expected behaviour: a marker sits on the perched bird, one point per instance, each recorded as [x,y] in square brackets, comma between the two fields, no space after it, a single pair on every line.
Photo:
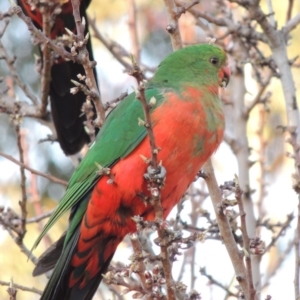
[188,125]
[65,107]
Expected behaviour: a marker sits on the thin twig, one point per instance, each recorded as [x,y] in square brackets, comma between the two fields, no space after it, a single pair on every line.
[297,255]
[115,49]
[7,105]
[21,141]
[22,287]
[137,249]
[278,263]
[12,291]
[110,46]
[21,245]
[258,97]
[262,144]
[225,229]
[83,57]
[283,228]
[35,200]
[6,22]
[246,241]
[240,122]
[232,27]
[148,124]
[40,217]
[289,10]
[291,24]
[271,13]
[184,8]
[16,10]
[46,70]
[132,23]
[154,186]
[10,63]
[216,282]
[173,26]
[47,176]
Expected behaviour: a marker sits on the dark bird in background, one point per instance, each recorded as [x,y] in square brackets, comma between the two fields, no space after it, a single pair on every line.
[65,107]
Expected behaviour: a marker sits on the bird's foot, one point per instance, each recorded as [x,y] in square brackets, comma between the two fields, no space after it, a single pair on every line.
[156,175]
[201,174]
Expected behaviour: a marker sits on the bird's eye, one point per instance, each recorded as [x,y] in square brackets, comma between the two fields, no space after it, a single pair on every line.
[214,60]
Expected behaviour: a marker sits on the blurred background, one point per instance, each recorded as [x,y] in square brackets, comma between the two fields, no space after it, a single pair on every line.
[273,200]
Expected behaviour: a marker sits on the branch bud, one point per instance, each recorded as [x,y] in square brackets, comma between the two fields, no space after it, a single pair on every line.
[69,32]
[141,122]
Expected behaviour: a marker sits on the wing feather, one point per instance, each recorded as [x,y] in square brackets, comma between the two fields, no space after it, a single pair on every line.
[119,135]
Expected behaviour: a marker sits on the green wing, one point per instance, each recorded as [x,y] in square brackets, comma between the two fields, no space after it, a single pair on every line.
[119,135]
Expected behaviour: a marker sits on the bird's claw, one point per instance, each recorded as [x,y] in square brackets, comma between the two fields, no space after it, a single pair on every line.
[157,175]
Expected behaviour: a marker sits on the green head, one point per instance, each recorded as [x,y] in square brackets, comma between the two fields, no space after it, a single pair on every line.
[197,65]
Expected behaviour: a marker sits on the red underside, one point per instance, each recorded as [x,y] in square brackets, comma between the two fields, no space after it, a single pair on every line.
[186,142]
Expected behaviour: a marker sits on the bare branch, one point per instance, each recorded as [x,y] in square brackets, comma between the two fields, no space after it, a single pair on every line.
[243,30]
[258,97]
[132,22]
[291,24]
[10,63]
[21,287]
[40,217]
[173,26]
[21,136]
[39,35]
[289,10]
[216,282]
[47,176]
[83,58]
[246,240]
[155,181]
[115,49]
[7,105]
[297,255]
[137,249]
[10,229]
[225,230]
[283,228]
[278,263]
[46,71]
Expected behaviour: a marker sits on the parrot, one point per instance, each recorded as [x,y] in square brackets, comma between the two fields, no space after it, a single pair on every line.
[66,108]
[188,125]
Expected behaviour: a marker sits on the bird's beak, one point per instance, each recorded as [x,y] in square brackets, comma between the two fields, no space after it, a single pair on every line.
[224,76]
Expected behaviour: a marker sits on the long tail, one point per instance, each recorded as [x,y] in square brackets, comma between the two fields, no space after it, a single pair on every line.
[50,257]
[67,108]
[67,281]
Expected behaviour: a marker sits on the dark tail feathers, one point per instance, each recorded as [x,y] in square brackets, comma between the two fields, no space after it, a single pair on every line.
[66,108]
[58,285]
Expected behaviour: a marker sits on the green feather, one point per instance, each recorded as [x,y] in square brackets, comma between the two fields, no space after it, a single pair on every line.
[120,134]
[189,66]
